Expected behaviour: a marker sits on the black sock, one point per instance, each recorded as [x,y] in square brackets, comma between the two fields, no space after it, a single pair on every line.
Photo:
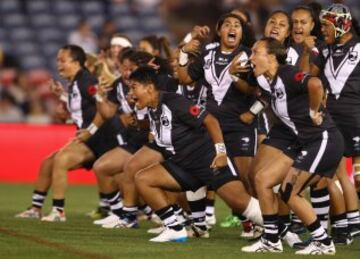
[38,199]
[358,193]
[353,218]
[295,219]
[168,217]
[284,223]
[130,212]
[103,201]
[210,207]
[320,201]
[271,231]
[318,233]
[59,204]
[115,203]
[198,212]
[339,223]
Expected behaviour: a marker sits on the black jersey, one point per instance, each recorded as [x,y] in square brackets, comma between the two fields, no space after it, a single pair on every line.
[81,103]
[294,52]
[224,101]
[196,93]
[167,83]
[290,102]
[340,73]
[177,128]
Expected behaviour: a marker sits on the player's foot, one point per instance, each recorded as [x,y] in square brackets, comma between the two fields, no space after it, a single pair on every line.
[54,216]
[317,248]
[171,235]
[98,213]
[195,231]
[156,231]
[291,238]
[122,223]
[341,238]
[297,228]
[30,213]
[354,230]
[210,220]
[264,246]
[106,220]
[230,222]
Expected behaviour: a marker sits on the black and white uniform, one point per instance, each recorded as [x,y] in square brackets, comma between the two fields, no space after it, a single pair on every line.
[130,138]
[340,73]
[82,107]
[197,93]
[319,148]
[280,136]
[224,101]
[179,135]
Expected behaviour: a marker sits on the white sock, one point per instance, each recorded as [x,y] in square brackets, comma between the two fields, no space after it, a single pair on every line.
[253,212]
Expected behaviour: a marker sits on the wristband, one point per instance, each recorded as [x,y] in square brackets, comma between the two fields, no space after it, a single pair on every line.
[220,148]
[312,113]
[63,98]
[92,128]
[257,107]
[183,58]
[187,38]
[234,78]
[99,98]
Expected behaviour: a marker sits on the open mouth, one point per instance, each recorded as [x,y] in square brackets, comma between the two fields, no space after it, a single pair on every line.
[274,34]
[231,37]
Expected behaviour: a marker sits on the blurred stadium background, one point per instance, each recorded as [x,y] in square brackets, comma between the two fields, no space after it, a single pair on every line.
[31,32]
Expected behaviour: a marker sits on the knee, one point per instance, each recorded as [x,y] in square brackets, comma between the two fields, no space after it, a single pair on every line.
[99,168]
[61,159]
[260,181]
[141,180]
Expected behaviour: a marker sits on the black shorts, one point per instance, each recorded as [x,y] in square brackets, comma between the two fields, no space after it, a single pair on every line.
[280,137]
[263,124]
[191,179]
[136,139]
[351,139]
[321,156]
[241,143]
[105,139]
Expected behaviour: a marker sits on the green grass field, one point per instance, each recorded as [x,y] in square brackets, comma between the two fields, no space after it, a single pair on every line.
[79,238]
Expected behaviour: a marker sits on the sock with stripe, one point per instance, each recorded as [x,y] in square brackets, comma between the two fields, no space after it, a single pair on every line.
[353,218]
[168,218]
[320,201]
[115,203]
[103,202]
[210,207]
[130,213]
[198,213]
[38,199]
[271,231]
[59,204]
[318,233]
[339,223]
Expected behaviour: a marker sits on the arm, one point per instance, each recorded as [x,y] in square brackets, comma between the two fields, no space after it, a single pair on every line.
[316,93]
[213,127]
[84,134]
[183,74]
[304,59]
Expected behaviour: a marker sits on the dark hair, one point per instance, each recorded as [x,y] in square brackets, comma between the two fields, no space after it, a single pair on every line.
[160,44]
[145,75]
[141,58]
[355,26]
[312,10]
[221,21]
[125,53]
[76,53]
[275,47]
[287,40]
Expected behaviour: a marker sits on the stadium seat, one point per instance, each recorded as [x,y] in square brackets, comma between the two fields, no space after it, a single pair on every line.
[21,34]
[38,6]
[13,20]
[42,20]
[9,6]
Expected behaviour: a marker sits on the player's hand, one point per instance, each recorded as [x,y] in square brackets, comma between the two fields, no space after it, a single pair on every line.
[317,117]
[128,119]
[192,46]
[56,87]
[82,135]
[309,42]
[200,32]
[238,66]
[219,161]
[247,117]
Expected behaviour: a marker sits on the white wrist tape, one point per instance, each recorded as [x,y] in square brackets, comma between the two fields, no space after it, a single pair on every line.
[99,98]
[234,78]
[356,169]
[220,148]
[64,98]
[312,113]
[92,128]
[183,58]
[187,38]
[257,107]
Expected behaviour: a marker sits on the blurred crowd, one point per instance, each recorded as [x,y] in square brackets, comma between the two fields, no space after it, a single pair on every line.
[24,95]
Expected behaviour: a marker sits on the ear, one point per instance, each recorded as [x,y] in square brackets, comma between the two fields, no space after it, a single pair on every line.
[312,25]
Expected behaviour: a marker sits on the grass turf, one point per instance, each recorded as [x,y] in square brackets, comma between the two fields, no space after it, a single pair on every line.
[79,238]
